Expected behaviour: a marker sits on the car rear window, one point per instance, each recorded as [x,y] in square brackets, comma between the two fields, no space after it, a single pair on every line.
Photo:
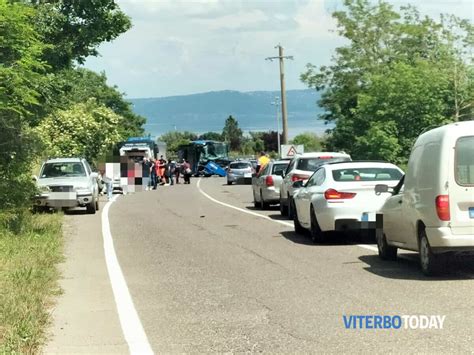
[279,168]
[464,161]
[239,165]
[312,164]
[366,174]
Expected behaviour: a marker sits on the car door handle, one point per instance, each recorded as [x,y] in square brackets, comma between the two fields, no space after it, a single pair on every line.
[400,202]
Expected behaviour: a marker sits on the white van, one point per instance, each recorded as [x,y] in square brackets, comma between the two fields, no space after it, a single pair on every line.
[432,210]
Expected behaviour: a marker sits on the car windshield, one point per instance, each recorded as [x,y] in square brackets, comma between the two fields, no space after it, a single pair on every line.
[367,174]
[62,169]
[312,164]
[240,165]
[464,162]
[278,168]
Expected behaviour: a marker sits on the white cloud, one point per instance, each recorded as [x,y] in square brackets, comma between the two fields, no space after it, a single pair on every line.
[178,47]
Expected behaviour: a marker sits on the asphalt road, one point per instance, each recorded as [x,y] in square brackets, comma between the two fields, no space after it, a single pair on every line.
[205,277]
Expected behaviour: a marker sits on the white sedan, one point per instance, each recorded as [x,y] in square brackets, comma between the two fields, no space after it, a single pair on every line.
[340,196]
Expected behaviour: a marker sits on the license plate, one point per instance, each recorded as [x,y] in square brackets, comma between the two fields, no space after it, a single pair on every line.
[367,217]
[62,196]
[471,212]
[248,175]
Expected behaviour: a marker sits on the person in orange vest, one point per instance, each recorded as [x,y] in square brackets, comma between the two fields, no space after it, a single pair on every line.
[161,170]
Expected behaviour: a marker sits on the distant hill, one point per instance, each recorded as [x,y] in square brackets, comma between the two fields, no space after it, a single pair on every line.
[208,111]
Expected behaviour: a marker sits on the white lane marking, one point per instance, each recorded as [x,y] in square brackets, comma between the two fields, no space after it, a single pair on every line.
[288,224]
[130,322]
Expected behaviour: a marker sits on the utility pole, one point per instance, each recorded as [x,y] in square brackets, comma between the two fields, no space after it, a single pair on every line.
[276,103]
[281,57]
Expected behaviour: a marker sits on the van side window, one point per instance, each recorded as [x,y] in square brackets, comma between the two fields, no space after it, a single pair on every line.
[464,161]
[427,175]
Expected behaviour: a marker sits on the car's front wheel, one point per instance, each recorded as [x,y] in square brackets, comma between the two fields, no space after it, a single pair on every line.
[283,208]
[298,227]
[91,207]
[386,252]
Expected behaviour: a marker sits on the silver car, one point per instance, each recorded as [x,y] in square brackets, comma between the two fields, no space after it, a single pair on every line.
[266,185]
[239,171]
[67,183]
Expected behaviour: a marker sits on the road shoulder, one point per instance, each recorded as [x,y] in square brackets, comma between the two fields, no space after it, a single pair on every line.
[85,318]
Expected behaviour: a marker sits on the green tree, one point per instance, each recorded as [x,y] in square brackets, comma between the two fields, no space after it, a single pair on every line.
[399,74]
[86,129]
[311,141]
[174,139]
[21,71]
[211,136]
[74,29]
[232,133]
[67,87]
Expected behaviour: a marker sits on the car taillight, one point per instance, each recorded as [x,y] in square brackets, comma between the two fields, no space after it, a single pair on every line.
[332,194]
[269,180]
[298,177]
[442,207]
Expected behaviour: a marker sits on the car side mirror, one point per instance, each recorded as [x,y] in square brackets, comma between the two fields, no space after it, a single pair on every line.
[298,184]
[381,188]
[94,175]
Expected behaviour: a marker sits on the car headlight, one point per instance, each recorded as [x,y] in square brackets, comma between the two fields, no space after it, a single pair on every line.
[82,189]
[44,189]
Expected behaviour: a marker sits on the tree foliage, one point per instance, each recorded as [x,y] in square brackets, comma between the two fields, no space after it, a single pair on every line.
[174,139]
[20,75]
[211,136]
[74,29]
[85,130]
[400,74]
[232,133]
[311,141]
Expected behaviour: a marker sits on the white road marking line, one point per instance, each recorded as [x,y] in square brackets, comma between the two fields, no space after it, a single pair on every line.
[288,224]
[130,322]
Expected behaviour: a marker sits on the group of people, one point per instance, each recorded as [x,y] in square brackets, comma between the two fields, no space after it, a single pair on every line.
[161,172]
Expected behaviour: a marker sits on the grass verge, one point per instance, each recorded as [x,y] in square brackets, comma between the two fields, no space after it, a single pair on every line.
[28,280]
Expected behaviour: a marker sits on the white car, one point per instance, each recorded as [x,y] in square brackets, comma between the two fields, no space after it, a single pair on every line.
[340,196]
[67,183]
[433,211]
[301,168]
[266,184]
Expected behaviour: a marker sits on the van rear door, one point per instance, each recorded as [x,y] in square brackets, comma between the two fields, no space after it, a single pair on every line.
[461,192]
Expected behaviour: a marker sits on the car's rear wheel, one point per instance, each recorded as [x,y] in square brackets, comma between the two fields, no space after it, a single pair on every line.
[386,252]
[263,204]
[91,207]
[256,204]
[298,227]
[229,182]
[97,204]
[430,263]
[317,235]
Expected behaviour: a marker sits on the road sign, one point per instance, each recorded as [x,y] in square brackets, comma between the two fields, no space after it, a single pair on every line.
[290,150]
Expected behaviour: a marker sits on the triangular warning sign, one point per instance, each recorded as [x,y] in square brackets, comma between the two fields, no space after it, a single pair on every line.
[292,151]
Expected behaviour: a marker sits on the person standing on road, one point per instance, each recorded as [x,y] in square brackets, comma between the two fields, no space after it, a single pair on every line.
[153,174]
[146,168]
[263,160]
[161,170]
[170,169]
[187,172]
[177,171]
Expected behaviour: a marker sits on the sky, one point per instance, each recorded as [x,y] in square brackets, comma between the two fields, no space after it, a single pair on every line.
[183,47]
